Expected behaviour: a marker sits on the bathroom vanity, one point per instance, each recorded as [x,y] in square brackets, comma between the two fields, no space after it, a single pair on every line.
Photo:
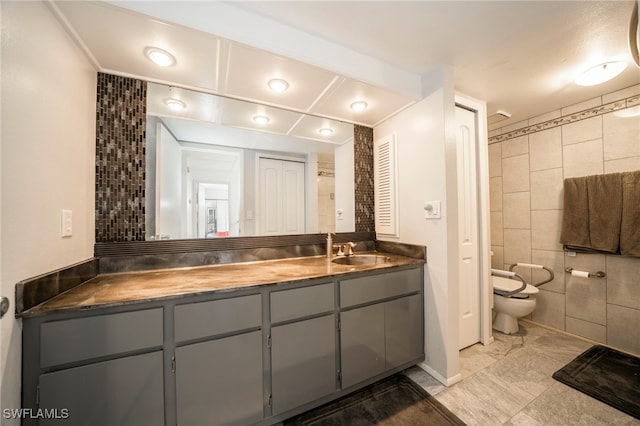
[248,343]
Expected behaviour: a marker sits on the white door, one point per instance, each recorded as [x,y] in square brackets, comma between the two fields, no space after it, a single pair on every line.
[469,272]
[281,197]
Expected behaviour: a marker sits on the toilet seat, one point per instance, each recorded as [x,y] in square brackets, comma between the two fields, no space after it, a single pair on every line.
[501,284]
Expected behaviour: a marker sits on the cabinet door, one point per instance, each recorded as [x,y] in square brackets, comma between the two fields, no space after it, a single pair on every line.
[219,382]
[404,335]
[362,344]
[303,362]
[124,391]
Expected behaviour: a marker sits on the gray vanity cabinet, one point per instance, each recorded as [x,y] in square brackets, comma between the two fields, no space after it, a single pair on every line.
[247,356]
[403,330]
[219,382]
[381,324]
[362,344]
[96,370]
[124,391]
[303,349]
[218,361]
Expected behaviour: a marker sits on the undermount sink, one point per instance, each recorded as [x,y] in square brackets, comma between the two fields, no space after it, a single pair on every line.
[361,259]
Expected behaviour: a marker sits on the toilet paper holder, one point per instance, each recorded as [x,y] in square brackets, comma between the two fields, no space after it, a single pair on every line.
[598,274]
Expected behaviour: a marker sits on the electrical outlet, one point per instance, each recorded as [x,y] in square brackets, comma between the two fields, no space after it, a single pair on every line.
[67,223]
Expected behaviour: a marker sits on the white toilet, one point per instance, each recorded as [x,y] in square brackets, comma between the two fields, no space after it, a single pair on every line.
[509,308]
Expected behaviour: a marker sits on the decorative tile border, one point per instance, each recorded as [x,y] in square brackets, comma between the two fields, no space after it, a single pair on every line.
[363,165]
[571,118]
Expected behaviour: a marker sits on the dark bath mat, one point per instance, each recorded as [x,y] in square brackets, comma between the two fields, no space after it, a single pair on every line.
[396,400]
[605,374]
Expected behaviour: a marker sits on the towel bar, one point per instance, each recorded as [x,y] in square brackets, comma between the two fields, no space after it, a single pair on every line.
[598,274]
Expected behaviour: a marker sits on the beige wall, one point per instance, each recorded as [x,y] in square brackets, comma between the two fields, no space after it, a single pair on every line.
[526,179]
[48,151]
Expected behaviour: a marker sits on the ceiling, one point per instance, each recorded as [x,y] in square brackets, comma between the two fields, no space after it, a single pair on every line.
[518,56]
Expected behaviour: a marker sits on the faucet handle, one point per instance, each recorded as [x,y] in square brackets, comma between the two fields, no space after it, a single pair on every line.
[349,248]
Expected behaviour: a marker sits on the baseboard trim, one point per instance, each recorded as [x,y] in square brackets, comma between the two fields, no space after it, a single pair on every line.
[439,377]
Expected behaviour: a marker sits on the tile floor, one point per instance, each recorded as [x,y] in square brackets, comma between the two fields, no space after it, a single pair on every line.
[509,383]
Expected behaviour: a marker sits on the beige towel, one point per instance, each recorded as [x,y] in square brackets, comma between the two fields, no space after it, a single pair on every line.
[605,211]
[630,227]
[575,213]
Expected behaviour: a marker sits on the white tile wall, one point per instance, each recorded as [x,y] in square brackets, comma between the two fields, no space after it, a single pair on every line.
[621,136]
[546,149]
[495,194]
[582,130]
[515,173]
[623,328]
[550,309]
[622,165]
[545,229]
[515,146]
[517,246]
[534,166]
[546,189]
[516,207]
[583,159]
[595,102]
[586,329]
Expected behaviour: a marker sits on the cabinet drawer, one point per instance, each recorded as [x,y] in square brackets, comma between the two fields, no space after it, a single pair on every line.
[300,302]
[204,319]
[368,289]
[84,338]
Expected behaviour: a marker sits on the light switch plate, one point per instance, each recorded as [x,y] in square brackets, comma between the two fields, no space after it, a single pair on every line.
[67,223]
[432,210]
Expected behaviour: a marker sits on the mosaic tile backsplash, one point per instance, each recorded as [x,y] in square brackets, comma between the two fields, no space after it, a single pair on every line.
[364,196]
[120,158]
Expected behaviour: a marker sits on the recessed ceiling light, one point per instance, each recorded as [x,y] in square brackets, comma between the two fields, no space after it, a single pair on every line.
[278,85]
[600,73]
[325,131]
[175,104]
[261,119]
[358,106]
[160,57]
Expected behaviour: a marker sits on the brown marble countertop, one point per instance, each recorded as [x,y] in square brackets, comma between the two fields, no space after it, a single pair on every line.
[136,287]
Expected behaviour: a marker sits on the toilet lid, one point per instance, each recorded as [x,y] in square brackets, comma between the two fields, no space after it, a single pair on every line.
[506,284]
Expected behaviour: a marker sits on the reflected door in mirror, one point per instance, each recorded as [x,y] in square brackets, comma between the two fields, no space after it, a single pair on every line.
[281,197]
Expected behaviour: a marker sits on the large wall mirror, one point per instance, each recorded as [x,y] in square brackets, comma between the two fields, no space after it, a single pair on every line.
[220,167]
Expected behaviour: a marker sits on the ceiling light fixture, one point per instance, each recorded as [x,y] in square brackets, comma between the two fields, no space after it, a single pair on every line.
[628,112]
[600,73]
[175,104]
[358,106]
[325,131]
[278,85]
[160,57]
[261,119]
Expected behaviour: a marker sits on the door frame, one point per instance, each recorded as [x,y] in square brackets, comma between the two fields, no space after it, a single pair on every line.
[484,219]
